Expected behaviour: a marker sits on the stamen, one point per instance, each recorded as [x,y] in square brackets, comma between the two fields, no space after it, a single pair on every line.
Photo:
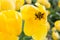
[39,15]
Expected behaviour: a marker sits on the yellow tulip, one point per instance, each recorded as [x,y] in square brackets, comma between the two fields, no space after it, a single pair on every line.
[19,3]
[45,3]
[55,35]
[7,5]
[35,21]
[10,22]
[57,25]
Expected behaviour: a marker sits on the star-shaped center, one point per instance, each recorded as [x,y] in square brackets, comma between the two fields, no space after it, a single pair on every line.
[39,15]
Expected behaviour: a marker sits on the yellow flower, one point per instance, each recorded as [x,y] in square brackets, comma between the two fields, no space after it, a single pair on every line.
[40,32]
[28,1]
[53,29]
[5,36]
[48,26]
[19,3]
[7,5]
[35,21]
[55,35]
[45,3]
[57,25]
[10,22]
[59,3]
[28,9]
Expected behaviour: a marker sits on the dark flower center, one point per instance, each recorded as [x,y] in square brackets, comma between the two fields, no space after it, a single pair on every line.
[39,15]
